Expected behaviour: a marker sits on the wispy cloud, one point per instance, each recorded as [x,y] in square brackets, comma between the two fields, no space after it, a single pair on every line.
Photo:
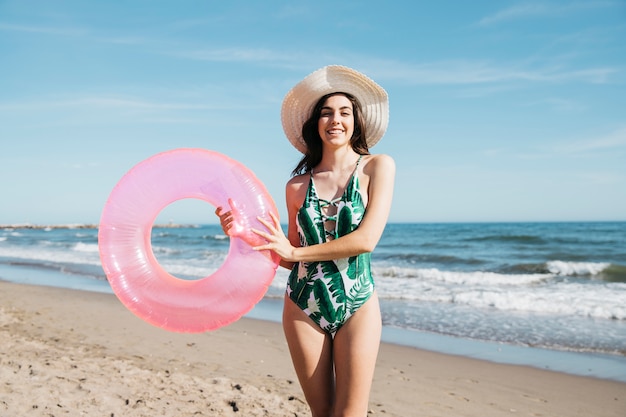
[64,31]
[196,22]
[560,105]
[109,109]
[454,72]
[124,40]
[293,10]
[598,178]
[73,32]
[483,72]
[287,60]
[611,141]
[542,9]
[232,55]
[120,103]
[515,12]
[127,103]
[82,165]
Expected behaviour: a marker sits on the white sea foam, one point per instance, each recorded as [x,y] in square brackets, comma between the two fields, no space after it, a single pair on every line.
[51,254]
[433,274]
[3,238]
[561,299]
[535,293]
[188,270]
[165,250]
[86,247]
[576,268]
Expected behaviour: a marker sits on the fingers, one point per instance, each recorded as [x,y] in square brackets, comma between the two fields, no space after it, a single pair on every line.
[226,219]
[219,213]
[275,220]
[267,224]
[270,240]
[226,214]
[258,232]
[227,222]
[274,228]
[273,235]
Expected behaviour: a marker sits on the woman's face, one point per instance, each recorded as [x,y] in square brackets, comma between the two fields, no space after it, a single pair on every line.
[336,122]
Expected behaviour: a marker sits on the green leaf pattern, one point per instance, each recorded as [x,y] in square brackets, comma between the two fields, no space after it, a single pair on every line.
[329,292]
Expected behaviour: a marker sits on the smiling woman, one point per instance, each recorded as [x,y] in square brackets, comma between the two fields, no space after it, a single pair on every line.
[331,314]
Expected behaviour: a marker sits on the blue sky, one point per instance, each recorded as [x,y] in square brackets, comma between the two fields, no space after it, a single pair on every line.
[500,110]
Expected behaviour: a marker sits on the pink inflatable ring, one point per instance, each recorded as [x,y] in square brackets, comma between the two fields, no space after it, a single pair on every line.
[139,281]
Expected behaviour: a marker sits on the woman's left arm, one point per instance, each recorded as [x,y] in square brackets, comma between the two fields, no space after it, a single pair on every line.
[381,170]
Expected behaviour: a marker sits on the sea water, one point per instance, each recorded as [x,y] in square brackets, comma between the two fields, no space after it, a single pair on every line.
[472,288]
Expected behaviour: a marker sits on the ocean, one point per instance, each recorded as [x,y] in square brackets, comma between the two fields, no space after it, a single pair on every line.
[551,295]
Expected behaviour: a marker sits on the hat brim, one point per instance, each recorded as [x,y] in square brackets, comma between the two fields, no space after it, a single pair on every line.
[300,100]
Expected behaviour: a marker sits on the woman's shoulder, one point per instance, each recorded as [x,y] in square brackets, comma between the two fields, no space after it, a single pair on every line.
[379,162]
[296,190]
[299,180]
[298,183]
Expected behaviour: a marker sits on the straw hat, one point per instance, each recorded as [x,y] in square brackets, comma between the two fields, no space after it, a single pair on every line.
[299,102]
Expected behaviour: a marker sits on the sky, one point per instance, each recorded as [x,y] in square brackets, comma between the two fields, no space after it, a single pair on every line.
[499,110]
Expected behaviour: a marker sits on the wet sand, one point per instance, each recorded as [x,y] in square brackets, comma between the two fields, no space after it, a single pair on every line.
[79,353]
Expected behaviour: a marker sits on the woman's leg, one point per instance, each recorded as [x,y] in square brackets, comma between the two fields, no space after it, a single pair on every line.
[355,351]
[312,356]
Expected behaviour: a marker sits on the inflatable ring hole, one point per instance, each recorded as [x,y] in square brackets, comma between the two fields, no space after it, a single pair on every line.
[188,250]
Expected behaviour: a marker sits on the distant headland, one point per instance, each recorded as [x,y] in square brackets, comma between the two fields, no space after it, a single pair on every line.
[83,226]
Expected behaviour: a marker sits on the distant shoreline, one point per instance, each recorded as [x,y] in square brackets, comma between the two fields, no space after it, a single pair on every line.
[80,226]
[197,225]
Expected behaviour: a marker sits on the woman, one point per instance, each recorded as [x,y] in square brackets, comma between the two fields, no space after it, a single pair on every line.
[338,202]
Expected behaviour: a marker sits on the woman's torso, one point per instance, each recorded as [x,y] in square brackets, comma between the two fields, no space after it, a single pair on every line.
[330,291]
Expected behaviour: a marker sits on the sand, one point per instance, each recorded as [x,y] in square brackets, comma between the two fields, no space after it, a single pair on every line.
[76,353]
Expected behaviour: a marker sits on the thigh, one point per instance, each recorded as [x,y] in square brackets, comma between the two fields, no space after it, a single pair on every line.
[355,351]
[312,356]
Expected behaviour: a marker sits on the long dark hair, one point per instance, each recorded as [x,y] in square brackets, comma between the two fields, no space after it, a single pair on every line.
[312,139]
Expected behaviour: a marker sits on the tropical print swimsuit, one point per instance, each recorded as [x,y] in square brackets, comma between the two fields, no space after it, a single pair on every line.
[329,292]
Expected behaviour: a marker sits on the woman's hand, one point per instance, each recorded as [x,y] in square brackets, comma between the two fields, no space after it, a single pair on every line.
[226,219]
[276,239]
